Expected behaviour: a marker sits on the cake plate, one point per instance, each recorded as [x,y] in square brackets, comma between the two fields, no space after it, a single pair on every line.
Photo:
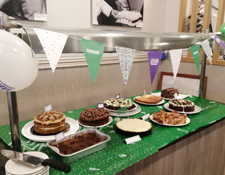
[197,109]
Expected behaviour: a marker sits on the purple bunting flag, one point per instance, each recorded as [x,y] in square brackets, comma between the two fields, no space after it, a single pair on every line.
[154,58]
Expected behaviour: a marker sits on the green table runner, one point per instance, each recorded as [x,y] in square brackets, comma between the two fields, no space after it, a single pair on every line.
[118,155]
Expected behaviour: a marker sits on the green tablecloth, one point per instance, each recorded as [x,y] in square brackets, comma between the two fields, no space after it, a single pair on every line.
[118,155]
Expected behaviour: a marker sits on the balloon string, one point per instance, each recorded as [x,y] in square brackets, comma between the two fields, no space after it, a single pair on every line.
[29,41]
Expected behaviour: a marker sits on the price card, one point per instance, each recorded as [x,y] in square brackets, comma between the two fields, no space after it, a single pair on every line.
[121,111]
[59,136]
[48,108]
[117,96]
[100,105]
[132,139]
[145,117]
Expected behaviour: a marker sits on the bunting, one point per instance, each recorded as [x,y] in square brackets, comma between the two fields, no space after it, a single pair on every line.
[93,53]
[175,56]
[126,56]
[195,51]
[154,58]
[206,47]
[53,44]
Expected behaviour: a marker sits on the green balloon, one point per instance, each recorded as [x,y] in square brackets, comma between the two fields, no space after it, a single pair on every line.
[222,29]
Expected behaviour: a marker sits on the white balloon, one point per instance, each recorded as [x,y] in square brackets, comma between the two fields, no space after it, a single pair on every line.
[18,68]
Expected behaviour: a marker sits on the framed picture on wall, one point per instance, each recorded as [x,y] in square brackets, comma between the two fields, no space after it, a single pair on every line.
[24,9]
[118,12]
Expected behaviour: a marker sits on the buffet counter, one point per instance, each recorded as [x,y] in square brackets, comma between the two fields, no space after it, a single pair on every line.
[161,144]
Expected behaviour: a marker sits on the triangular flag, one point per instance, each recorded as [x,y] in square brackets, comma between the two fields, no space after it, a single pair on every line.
[218,40]
[126,56]
[195,50]
[53,44]
[175,56]
[154,58]
[207,49]
[93,53]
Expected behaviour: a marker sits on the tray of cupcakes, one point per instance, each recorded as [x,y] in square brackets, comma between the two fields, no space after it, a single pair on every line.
[114,106]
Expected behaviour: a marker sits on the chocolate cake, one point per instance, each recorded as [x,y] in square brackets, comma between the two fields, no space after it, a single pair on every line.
[94,117]
[49,122]
[78,142]
[169,92]
[115,104]
[182,105]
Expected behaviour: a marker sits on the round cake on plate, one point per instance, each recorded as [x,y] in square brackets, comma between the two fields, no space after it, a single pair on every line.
[94,116]
[133,126]
[51,122]
[182,105]
[169,93]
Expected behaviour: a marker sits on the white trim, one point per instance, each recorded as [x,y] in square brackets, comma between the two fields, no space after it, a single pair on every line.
[75,61]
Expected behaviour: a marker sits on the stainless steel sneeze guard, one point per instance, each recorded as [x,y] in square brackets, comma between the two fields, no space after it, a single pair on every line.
[138,40]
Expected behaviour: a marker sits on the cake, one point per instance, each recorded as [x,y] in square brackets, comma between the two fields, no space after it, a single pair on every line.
[169,93]
[51,122]
[94,116]
[173,118]
[133,126]
[148,99]
[182,105]
[115,104]
[78,142]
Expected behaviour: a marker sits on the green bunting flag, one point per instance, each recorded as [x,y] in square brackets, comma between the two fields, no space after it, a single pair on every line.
[195,50]
[222,29]
[93,53]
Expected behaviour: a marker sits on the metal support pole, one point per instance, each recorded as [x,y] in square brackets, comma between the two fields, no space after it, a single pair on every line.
[202,76]
[14,121]
[11,96]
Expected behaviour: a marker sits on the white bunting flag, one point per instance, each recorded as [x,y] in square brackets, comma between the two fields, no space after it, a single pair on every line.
[126,56]
[53,44]
[207,49]
[175,56]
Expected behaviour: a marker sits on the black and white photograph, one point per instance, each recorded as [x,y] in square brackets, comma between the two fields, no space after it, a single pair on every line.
[24,9]
[118,12]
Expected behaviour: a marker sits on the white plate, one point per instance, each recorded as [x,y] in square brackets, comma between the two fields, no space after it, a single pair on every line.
[197,109]
[159,103]
[74,126]
[129,113]
[180,96]
[110,121]
[187,122]
[111,110]
[13,167]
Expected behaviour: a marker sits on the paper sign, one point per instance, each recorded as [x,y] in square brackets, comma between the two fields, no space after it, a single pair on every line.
[195,50]
[126,56]
[176,96]
[93,53]
[218,40]
[175,56]
[59,136]
[121,111]
[100,105]
[154,58]
[53,44]
[145,117]
[132,139]
[48,108]
[5,87]
[117,96]
[40,17]
[207,49]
